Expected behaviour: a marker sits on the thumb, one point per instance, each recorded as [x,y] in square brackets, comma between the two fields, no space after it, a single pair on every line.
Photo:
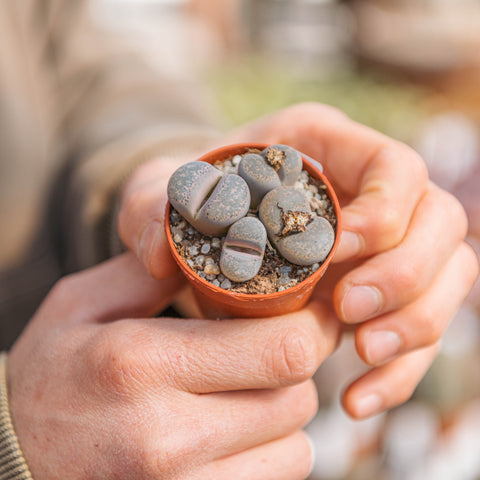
[142,214]
[118,288]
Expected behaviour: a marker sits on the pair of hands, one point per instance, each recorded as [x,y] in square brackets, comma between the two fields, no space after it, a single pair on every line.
[100,390]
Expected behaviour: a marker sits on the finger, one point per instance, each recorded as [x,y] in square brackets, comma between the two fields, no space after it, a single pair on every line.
[397,277]
[288,458]
[389,385]
[256,417]
[383,178]
[422,322]
[117,288]
[204,356]
[142,214]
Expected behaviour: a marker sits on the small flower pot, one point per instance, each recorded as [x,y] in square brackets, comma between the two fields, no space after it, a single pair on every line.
[216,302]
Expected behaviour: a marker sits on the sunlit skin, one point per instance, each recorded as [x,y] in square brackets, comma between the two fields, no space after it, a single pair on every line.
[99,389]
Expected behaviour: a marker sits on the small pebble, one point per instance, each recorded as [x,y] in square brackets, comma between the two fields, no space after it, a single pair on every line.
[221,277]
[226,284]
[209,261]
[178,237]
[281,289]
[215,243]
[236,160]
[174,217]
[210,277]
[190,262]
[182,225]
[193,250]
[205,248]
[216,283]
[200,260]
[285,270]
[190,231]
[315,267]
[202,275]
[211,269]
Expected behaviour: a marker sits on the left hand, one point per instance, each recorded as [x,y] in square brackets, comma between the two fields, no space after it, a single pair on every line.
[402,268]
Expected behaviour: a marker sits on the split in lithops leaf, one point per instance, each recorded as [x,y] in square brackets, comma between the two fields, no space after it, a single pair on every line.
[277,165]
[299,235]
[206,198]
[243,249]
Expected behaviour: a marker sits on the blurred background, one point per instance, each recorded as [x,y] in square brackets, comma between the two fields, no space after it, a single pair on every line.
[409,68]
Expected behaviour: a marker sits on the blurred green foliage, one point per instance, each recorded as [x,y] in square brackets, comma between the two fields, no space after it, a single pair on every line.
[248,89]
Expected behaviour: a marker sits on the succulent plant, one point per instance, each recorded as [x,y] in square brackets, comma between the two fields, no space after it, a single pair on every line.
[243,249]
[208,199]
[300,236]
[276,165]
[216,203]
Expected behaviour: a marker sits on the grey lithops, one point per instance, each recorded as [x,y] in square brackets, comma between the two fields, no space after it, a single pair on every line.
[260,177]
[299,235]
[243,249]
[276,165]
[206,198]
[286,161]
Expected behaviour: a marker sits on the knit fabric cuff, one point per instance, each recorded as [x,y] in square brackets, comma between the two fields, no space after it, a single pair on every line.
[12,462]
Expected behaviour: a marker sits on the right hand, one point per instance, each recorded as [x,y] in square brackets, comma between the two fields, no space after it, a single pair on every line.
[98,390]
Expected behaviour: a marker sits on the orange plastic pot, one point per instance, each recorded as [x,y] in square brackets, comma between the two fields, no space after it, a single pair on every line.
[216,302]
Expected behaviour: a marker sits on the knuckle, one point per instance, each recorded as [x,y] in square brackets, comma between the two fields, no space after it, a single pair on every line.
[304,458]
[306,402]
[416,163]
[430,329]
[114,362]
[451,207]
[64,287]
[293,357]
[388,224]
[407,275]
[472,263]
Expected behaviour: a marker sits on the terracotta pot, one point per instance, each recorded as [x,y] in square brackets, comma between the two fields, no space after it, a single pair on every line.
[216,302]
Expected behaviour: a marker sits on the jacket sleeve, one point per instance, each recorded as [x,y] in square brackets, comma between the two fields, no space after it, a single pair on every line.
[12,465]
[114,111]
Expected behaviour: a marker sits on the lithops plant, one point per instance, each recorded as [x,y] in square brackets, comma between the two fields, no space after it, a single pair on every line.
[216,203]
[243,249]
[208,199]
[275,166]
[300,236]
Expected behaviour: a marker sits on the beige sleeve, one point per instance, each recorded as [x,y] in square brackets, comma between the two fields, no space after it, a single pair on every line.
[113,112]
[13,465]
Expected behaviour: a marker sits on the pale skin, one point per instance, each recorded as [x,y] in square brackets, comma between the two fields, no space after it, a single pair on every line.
[99,389]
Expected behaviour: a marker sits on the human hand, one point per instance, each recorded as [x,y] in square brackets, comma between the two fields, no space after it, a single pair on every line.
[97,390]
[402,266]
[402,245]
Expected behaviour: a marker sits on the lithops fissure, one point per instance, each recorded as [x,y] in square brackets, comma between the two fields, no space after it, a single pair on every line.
[243,249]
[275,166]
[208,199]
[300,236]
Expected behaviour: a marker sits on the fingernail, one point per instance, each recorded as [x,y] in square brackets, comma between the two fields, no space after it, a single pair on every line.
[361,303]
[147,241]
[350,244]
[381,346]
[369,405]
[312,453]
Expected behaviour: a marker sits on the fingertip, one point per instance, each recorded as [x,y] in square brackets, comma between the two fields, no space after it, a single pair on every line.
[350,247]
[360,406]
